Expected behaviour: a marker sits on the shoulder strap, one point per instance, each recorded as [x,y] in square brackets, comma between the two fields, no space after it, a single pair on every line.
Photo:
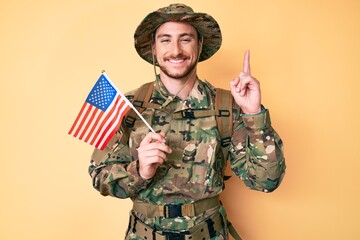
[233,231]
[223,106]
[141,96]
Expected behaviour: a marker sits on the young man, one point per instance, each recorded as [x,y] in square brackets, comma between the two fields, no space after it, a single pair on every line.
[174,176]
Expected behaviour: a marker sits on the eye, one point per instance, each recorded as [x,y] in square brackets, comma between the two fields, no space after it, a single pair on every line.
[186,40]
[164,40]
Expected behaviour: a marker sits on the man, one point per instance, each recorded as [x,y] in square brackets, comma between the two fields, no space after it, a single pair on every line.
[175,174]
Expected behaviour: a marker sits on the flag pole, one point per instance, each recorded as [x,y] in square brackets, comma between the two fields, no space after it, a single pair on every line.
[141,117]
[129,103]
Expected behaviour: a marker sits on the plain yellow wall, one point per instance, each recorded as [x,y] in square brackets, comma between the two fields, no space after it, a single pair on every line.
[305,53]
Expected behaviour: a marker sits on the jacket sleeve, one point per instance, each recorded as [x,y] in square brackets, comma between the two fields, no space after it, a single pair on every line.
[113,171]
[256,152]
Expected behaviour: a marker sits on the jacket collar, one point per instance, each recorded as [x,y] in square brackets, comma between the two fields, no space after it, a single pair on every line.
[197,99]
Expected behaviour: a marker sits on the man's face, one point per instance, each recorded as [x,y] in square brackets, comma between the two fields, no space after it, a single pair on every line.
[176,48]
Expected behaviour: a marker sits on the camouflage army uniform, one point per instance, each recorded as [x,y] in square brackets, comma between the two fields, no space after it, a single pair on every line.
[195,168]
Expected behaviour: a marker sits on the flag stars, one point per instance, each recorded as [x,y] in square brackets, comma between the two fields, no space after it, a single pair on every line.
[102,94]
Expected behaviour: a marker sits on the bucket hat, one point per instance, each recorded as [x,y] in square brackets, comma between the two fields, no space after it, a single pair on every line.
[206,25]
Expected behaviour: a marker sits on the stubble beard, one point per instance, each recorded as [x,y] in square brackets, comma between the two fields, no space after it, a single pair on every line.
[189,69]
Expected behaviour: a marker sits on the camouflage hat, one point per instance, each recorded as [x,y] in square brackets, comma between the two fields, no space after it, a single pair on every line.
[203,23]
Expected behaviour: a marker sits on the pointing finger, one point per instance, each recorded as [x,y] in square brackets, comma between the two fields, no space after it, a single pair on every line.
[246,67]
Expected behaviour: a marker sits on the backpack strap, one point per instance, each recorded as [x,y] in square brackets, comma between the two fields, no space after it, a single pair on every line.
[224,119]
[191,113]
[223,101]
[140,101]
[233,231]
[143,94]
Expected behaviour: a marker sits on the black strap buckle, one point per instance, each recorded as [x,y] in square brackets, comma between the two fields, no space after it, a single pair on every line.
[225,141]
[210,225]
[224,113]
[134,223]
[172,211]
[129,121]
[138,103]
[188,114]
[174,236]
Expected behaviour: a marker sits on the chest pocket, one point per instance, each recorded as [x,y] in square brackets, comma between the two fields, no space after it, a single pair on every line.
[210,148]
[204,153]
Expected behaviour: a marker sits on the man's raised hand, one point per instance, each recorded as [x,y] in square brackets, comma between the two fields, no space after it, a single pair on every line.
[246,89]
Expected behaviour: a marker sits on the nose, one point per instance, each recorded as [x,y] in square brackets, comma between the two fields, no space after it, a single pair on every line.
[176,49]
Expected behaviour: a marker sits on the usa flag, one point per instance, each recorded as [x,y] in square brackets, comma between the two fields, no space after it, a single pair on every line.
[101,114]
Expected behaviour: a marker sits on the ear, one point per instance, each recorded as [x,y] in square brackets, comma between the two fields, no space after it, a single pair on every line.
[153,53]
[153,50]
[200,44]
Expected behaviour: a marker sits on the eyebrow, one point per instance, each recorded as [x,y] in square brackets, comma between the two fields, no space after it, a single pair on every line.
[181,35]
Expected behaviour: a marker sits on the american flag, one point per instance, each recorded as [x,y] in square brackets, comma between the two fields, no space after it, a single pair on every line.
[101,114]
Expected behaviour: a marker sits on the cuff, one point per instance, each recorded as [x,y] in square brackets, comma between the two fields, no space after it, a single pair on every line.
[257,121]
[263,110]
[134,176]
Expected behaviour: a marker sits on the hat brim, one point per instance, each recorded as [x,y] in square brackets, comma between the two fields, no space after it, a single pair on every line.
[203,23]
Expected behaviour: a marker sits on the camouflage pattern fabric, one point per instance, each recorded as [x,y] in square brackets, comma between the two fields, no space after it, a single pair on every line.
[195,168]
[205,24]
[182,224]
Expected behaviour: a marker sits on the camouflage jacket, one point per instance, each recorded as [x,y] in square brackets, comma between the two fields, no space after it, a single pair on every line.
[195,168]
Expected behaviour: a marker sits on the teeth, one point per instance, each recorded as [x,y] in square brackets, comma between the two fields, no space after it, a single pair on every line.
[176,61]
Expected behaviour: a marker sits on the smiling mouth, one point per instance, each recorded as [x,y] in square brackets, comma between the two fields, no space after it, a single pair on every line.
[176,60]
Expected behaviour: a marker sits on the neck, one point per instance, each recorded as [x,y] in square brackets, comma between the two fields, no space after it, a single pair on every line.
[179,87]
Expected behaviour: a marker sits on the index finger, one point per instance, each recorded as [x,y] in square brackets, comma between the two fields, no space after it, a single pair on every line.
[150,137]
[246,66]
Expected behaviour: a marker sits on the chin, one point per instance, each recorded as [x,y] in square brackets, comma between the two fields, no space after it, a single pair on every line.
[177,74]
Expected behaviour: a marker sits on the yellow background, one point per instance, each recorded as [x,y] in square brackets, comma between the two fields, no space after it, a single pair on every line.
[305,53]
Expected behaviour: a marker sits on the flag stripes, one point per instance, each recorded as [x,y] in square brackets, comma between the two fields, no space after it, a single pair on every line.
[101,116]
